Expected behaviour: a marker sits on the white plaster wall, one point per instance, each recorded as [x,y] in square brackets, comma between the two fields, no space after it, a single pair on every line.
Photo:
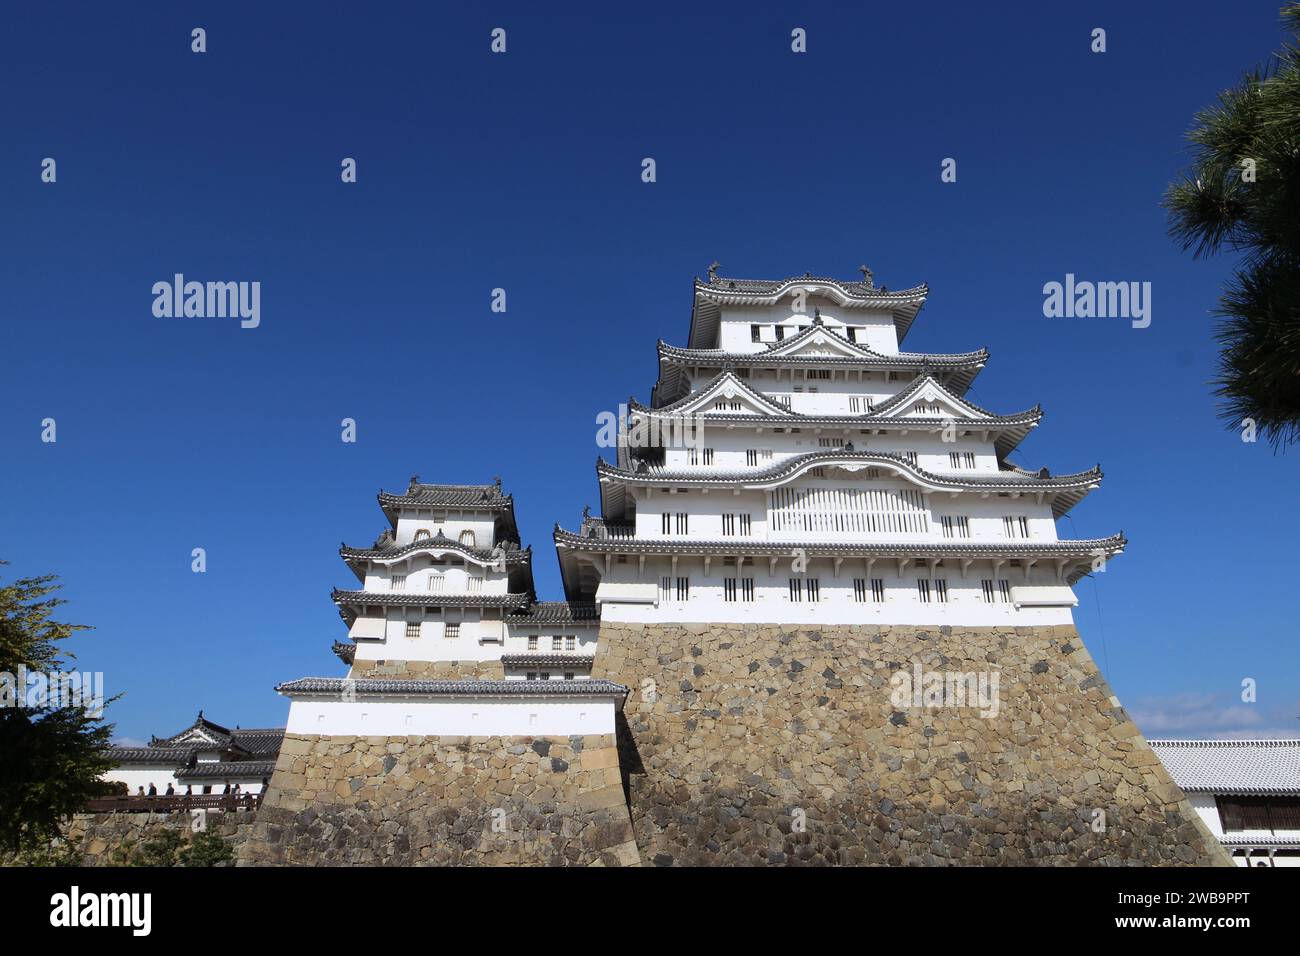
[735,336]
[548,717]
[137,775]
[451,523]
[626,595]
[730,444]
[706,508]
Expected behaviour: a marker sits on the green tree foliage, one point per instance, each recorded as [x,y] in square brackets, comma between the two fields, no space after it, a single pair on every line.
[53,756]
[1242,194]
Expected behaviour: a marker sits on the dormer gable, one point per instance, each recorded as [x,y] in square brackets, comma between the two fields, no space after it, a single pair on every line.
[926,398]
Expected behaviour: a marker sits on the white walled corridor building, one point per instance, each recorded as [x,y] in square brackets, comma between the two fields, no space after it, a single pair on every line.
[795,466]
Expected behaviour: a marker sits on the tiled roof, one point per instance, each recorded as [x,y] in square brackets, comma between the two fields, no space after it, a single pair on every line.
[454,688]
[227,768]
[766,287]
[555,612]
[426,599]
[547,660]
[474,497]
[172,755]
[510,553]
[1232,766]
[346,651]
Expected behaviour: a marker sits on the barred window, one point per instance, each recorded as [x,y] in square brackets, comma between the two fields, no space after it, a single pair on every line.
[728,524]
[570,642]
[422,533]
[860,590]
[961,459]
[667,523]
[1015,526]
[398,582]
[708,456]
[955,526]
[467,538]
[683,523]
[941,590]
[1004,589]
[751,457]
[923,590]
[532,642]
[568,675]
[796,589]
[412,629]
[693,456]
[746,525]
[986,587]
[556,643]
[666,589]
[1271,813]
[453,631]
[814,589]
[683,589]
[729,589]
[747,589]
[878,590]
[532,675]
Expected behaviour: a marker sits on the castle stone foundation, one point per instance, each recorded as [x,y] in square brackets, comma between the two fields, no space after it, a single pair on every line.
[443,801]
[757,744]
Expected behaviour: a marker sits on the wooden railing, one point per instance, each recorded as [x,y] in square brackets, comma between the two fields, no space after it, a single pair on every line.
[163,804]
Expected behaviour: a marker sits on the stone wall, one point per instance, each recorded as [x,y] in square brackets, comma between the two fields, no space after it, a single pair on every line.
[97,835]
[443,801]
[428,670]
[756,744]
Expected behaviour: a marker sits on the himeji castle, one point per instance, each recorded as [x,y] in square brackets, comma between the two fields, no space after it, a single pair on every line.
[445,614]
[803,519]
[794,465]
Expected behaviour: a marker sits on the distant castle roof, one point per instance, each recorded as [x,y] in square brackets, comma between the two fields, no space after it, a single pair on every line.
[1232,766]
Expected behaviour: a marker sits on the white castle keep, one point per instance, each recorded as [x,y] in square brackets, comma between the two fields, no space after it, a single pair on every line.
[794,466]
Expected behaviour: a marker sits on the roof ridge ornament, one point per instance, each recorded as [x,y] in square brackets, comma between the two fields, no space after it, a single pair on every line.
[866,277]
[713,270]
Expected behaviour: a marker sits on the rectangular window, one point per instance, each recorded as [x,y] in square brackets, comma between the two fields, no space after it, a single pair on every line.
[1004,589]
[814,589]
[986,586]
[412,629]
[399,582]
[683,589]
[728,524]
[666,589]
[796,589]
[941,590]
[746,525]
[570,642]
[961,459]
[747,589]
[923,590]
[860,590]
[532,642]
[878,590]
[1015,526]
[729,590]
[544,675]
[855,403]
[667,523]
[693,456]
[708,456]
[751,457]
[568,675]
[556,643]
[453,631]
[755,333]
[955,526]
[532,675]
[683,523]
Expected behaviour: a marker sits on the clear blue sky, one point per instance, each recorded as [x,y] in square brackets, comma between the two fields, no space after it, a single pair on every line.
[523,171]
